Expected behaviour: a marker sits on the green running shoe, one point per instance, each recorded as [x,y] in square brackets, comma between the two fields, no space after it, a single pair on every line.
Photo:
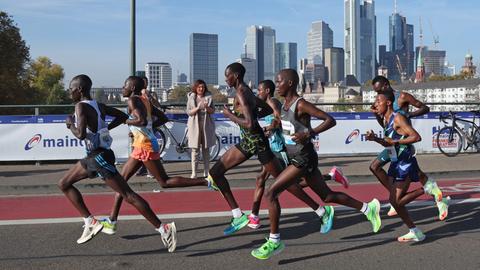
[211,183]
[109,227]
[236,224]
[431,188]
[373,214]
[268,249]
[443,208]
[327,219]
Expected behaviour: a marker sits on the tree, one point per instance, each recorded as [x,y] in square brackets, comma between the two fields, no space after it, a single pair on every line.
[14,57]
[44,76]
[217,96]
[179,94]
[100,96]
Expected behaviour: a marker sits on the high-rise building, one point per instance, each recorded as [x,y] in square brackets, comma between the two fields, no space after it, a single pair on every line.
[334,64]
[433,60]
[319,38]
[250,65]
[360,39]
[204,57]
[159,76]
[260,45]
[140,73]
[285,56]
[182,78]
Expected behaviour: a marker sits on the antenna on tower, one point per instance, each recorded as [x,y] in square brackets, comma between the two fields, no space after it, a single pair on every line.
[395,7]
[421,33]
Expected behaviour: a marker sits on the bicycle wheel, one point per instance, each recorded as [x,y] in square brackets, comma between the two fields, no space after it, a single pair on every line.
[449,141]
[160,139]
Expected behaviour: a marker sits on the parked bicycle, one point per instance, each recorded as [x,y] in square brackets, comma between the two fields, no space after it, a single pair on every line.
[455,138]
[181,146]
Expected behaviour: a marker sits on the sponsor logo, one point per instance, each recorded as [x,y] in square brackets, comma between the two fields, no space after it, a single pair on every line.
[352,136]
[33,141]
[68,142]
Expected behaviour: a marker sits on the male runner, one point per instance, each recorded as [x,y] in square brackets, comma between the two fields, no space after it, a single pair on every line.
[398,140]
[296,114]
[247,109]
[145,147]
[273,131]
[89,125]
[401,105]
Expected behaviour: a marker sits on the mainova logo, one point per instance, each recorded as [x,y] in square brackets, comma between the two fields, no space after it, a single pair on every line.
[353,135]
[33,141]
[53,142]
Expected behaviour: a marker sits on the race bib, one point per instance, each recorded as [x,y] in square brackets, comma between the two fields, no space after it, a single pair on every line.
[288,131]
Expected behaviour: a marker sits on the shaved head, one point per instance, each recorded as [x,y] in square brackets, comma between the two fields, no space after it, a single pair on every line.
[290,75]
[137,82]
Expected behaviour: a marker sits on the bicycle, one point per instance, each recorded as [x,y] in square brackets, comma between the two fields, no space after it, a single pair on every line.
[182,146]
[452,139]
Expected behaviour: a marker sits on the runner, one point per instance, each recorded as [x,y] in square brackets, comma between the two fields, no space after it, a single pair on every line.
[89,124]
[401,105]
[145,147]
[273,131]
[398,140]
[295,116]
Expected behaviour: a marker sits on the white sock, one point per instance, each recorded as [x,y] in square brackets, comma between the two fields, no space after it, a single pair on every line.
[364,209]
[88,221]
[237,212]
[274,237]
[253,215]
[320,211]
[414,230]
[161,229]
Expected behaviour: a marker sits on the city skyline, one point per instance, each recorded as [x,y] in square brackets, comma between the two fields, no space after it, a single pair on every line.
[163,30]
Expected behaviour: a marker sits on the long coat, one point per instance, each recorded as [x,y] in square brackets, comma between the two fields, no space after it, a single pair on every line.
[193,123]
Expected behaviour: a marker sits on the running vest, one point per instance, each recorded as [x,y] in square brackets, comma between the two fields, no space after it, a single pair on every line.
[275,139]
[390,132]
[396,107]
[99,139]
[291,125]
[144,137]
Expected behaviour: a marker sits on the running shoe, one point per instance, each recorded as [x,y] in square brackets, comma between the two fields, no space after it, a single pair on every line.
[169,238]
[236,224]
[443,208]
[211,183]
[109,227]
[391,212]
[268,249]
[253,221]
[89,231]
[338,176]
[412,237]
[327,219]
[373,214]
[431,188]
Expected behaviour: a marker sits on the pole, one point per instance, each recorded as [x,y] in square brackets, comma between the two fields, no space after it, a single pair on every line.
[132,39]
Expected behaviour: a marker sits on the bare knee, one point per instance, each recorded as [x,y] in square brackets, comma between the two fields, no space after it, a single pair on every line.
[130,197]
[63,184]
[217,170]
[374,167]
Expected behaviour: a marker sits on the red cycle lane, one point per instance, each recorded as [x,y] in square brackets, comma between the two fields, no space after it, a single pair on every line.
[57,206]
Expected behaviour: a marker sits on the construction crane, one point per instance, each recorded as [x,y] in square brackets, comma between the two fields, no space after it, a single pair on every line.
[436,38]
[403,74]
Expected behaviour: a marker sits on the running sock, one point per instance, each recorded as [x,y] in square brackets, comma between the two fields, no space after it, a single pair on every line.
[88,220]
[364,209]
[161,229]
[237,212]
[274,237]
[320,211]
[414,230]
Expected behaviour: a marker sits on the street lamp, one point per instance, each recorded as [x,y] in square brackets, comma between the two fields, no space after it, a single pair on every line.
[132,38]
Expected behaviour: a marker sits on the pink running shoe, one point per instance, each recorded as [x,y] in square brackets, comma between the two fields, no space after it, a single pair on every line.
[337,175]
[253,221]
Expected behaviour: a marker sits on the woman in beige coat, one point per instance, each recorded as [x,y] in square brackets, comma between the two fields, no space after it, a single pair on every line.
[201,126]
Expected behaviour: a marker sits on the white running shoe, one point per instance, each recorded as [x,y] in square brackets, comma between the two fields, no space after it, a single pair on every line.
[90,231]
[391,212]
[169,238]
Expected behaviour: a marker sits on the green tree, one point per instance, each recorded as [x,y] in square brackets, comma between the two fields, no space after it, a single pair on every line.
[14,57]
[217,96]
[179,94]
[100,96]
[44,76]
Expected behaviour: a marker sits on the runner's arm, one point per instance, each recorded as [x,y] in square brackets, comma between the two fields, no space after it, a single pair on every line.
[247,120]
[310,109]
[421,107]
[161,117]
[119,116]
[137,111]
[265,108]
[80,129]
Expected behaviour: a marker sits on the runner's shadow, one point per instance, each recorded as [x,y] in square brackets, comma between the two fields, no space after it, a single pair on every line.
[31,172]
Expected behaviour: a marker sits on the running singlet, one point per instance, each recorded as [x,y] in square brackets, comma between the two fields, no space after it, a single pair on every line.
[99,139]
[144,137]
[276,137]
[291,125]
[396,107]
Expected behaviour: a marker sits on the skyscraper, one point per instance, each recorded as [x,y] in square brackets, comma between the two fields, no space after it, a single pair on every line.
[285,56]
[360,39]
[401,62]
[319,38]
[204,57]
[334,64]
[260,45]
[159,75]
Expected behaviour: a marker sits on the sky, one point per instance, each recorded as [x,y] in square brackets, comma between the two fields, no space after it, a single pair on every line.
[93,36]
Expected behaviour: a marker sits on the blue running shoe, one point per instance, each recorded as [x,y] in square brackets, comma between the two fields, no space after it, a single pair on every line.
[327,219]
